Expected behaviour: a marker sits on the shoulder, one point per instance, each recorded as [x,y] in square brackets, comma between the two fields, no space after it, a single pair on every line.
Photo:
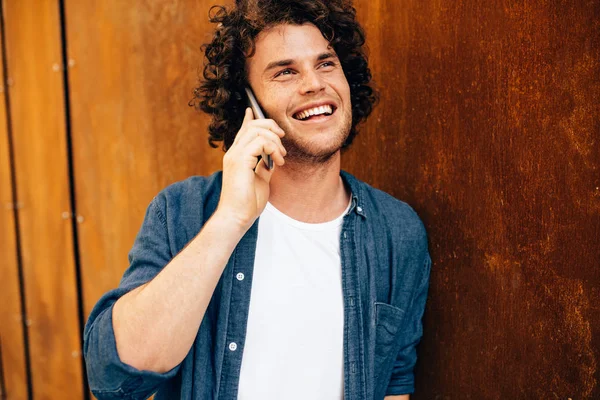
[398,214]
[193,190]
[188,203]
[392,213]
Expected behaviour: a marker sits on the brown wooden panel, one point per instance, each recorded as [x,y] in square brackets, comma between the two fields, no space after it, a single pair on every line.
[133,70]
[41,165]
[13,361]
[489,125]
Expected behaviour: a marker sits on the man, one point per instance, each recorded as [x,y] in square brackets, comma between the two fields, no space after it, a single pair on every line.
[319,298]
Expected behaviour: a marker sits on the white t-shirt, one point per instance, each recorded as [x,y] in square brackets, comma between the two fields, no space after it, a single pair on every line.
[295,340]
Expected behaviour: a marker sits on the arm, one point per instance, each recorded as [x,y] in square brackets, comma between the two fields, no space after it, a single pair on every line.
[125,353]
[402,380]
[177,298]
[400,397]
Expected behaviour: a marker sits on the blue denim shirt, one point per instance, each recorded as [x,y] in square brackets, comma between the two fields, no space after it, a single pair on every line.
[385,275]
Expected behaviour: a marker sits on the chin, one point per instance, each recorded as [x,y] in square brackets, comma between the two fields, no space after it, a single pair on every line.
[310,144]
[318,150]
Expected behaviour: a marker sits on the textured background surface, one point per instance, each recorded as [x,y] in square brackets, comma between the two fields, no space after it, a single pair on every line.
[488,125]
[40,160]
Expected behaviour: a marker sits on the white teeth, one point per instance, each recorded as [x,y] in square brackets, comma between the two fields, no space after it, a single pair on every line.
[314,111]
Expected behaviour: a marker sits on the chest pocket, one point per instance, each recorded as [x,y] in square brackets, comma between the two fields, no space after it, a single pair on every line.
[388,326]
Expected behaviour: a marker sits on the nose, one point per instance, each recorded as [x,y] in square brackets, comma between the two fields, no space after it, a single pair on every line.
[312,82]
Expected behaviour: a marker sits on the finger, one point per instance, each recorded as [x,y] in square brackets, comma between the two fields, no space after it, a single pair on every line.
[271,149]
[269,124]
[263,172]
[268,134]
[254,132]
[263,178]
[248,116]
[261,145]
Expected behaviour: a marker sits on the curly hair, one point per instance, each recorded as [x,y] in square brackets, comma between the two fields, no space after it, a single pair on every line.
[220,93]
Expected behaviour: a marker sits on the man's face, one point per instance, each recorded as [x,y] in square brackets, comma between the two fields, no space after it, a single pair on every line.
[294,73]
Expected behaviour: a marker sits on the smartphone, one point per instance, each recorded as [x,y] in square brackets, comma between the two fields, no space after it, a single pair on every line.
[258,114]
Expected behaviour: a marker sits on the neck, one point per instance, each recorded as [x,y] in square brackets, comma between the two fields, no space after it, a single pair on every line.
[309,192]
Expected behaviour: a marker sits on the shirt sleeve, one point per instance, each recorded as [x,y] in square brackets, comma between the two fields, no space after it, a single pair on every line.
[108,376]
[402,380]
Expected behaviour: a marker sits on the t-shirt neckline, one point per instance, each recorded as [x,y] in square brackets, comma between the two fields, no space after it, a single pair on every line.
[306,225]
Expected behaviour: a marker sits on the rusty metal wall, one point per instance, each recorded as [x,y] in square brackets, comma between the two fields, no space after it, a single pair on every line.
[489,125]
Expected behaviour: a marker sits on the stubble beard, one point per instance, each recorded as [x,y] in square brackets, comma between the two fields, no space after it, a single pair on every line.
[301,151]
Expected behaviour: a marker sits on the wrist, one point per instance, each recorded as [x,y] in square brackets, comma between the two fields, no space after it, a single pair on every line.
[229,222]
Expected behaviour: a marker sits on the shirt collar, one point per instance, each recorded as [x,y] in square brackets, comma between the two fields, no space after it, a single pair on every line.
[356,189]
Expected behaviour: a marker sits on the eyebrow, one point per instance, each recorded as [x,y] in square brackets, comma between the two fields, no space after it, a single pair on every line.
[289,61]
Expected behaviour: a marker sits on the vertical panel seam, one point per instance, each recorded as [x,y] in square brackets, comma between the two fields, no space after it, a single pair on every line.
[2,384]
[13,177]
[76,255]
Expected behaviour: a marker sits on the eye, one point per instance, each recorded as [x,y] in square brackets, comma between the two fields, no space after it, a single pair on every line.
[284,72]
[328,64]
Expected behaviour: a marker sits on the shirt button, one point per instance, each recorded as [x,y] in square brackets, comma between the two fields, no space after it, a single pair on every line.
[240,276]
[232,346]
[359,209]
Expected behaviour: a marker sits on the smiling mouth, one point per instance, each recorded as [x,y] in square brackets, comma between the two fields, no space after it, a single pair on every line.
[321,111]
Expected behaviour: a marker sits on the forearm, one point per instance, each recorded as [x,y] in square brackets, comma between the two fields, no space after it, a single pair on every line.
[399,397]
[155,325]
